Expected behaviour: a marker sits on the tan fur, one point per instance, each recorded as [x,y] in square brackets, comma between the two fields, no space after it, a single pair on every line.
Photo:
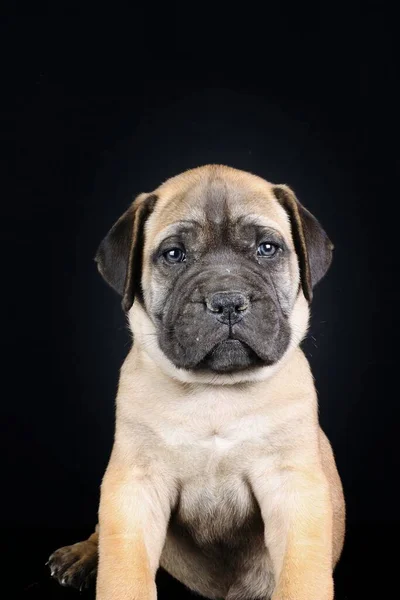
[218,446]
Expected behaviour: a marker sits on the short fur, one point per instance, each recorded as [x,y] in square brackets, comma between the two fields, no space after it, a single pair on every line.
[220,472]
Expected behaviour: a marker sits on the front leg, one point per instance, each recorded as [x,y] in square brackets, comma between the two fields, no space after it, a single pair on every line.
[133,517]
[297,513]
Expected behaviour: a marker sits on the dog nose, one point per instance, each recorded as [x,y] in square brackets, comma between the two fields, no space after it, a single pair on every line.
[229,307]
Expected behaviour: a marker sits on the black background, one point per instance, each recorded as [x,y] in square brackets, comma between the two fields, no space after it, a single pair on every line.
[100,107]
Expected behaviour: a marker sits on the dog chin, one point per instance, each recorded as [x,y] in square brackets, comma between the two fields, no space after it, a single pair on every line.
[230,356]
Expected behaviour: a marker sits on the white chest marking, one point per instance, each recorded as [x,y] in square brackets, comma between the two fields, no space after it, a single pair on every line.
[217,443]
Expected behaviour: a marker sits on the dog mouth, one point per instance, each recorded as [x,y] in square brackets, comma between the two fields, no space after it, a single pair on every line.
[229,356]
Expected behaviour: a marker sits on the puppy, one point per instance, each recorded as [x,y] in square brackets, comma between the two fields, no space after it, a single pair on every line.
[219,472]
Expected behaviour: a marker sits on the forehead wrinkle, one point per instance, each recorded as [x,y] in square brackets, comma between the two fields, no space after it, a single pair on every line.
[216,205]
[260,221]
[175,228]
[184,224]
[217,196]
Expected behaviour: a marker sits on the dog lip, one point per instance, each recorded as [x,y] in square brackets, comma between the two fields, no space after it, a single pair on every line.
[232,342]
[235,341]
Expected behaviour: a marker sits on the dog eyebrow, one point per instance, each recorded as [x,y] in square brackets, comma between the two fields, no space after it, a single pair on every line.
[187,221]
[183,222]
[254,219]
[173,228]
[259,221]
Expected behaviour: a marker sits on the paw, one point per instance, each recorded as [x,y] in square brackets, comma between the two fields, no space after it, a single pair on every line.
[75,566]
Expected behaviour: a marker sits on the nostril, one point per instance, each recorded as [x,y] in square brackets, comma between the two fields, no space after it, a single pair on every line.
[214,306]
[241,307]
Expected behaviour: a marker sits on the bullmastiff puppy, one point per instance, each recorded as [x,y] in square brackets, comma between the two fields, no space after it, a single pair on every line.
[220,472]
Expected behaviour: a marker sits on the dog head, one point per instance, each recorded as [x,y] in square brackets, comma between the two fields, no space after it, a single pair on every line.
[216,269]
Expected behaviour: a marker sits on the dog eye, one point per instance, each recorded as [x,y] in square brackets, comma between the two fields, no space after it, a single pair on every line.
[174,255]
[267,249]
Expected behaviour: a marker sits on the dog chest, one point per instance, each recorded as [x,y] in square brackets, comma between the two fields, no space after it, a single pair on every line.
[215,499]
[214,507]
[209,450]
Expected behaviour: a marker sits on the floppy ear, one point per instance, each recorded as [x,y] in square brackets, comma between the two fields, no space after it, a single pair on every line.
[313,247]
[119,256]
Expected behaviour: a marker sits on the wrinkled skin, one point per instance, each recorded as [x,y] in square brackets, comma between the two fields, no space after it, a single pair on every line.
[221,257]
